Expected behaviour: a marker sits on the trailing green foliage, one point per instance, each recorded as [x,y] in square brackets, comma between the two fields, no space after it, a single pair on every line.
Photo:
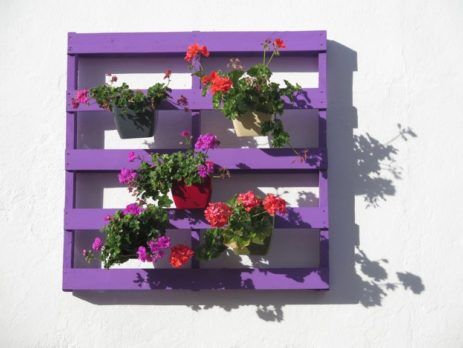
[126,232]
[127,100]
[155,180]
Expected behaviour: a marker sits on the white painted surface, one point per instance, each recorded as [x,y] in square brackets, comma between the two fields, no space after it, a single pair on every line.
[395,203]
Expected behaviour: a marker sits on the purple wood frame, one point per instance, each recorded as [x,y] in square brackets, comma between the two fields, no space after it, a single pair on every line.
[254,160]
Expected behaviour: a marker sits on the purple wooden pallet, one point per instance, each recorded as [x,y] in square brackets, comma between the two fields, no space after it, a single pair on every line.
[253,160]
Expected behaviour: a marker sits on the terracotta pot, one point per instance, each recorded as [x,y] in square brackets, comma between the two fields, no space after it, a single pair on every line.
[249,125]
[196,196]
[134,125]
[254,248]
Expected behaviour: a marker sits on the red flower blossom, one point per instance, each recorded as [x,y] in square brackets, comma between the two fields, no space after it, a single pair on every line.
[279,43]
[205,80]
[217,214]
[221,84]
[194,50]
[179,255]
[248,200]
[273,204]
[167,73]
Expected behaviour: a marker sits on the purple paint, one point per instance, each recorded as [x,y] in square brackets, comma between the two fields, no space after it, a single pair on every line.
[218,43]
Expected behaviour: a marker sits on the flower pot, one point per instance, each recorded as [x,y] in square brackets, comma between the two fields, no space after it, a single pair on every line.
[196,196]
[254,248]
[130,124]
[249,125]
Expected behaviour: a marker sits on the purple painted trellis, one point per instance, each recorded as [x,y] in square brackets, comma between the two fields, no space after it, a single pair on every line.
[261,160]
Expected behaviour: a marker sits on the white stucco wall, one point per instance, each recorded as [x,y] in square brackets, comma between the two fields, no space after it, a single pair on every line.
[395,84]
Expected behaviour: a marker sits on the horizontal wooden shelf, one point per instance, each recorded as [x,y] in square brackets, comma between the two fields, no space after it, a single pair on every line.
[310,98]
[177,43]
[94,219]
[195,279]
[231,159]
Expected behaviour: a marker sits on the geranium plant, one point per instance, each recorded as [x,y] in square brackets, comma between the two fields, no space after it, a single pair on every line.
[133,110]
[187,173]
[248,97]
[137,232]
[243,224]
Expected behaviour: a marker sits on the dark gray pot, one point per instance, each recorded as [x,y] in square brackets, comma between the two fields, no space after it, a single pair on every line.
[134,125]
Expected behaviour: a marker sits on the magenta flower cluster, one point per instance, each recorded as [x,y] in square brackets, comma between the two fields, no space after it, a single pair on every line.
[206,142]
[133,209]
[97,244]
[127,176]
[206,169]
[81,97]
[132,156]
[156,249]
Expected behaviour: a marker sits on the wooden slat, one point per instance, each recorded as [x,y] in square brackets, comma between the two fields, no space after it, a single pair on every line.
[231,159]
[94,219]
[311,98]
[177,43]
[195,279]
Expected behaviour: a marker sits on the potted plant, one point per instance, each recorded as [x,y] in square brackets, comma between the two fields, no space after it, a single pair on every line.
[244,224]
[248,97]
[187,174]
[134,112]
[137,232]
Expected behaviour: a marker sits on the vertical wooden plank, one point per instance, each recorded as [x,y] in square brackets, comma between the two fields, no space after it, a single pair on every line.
[69,202]
[322,76]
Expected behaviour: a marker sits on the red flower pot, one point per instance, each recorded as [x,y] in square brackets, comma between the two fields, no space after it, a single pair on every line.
[196,196]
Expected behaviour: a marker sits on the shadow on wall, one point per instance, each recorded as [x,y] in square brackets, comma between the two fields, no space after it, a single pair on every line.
[360,165]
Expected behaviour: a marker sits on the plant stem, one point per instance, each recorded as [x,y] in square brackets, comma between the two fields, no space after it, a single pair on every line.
[271,57]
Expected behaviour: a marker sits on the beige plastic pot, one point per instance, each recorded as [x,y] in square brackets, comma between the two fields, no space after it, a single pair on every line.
[249,125]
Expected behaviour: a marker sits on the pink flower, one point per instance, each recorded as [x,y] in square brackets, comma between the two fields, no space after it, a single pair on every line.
[84,252]
[163,242]
[107,218]
[206,142]
[97,244]
[202,171]
[132,156]
[81,97]
[167,73]
[127,176]
[185,134]
[160,243]
[156,247]
[133,209]
[210,167]
[143,255]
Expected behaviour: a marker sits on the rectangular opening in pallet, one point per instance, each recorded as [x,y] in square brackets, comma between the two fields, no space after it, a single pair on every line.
[137,72]
[289,248]
[97,130]
[102,190]
[303,245]
[302,69]
[302,126]
[83,240]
